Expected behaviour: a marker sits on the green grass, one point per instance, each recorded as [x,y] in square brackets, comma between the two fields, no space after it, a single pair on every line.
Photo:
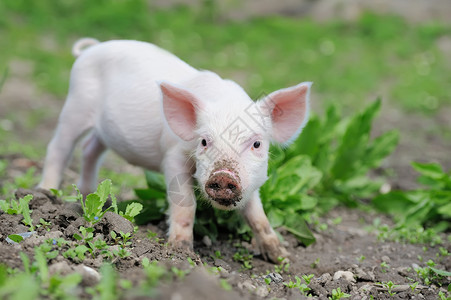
[347,62]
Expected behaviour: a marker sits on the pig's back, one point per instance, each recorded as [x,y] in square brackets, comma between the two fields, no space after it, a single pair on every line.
[128,112]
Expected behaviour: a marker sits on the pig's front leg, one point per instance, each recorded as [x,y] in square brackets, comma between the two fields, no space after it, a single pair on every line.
[266,238]
[182,202]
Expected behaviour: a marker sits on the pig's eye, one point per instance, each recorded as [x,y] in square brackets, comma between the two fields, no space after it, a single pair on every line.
[204,142]
[257,144]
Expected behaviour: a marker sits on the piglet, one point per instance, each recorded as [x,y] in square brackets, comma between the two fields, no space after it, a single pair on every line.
[159,113]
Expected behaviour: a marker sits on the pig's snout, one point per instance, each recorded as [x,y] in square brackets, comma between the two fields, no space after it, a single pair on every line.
[224,188]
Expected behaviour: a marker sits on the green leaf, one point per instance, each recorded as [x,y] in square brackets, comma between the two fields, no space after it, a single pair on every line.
[155,181]
[300,229]
[93,206]
[104,190]
[275,217]
[393,203]
[380,147]
[445,209]
[150,193]
[353,145]
[440,272]
[132,210]
[16,238]
[431,170]
[24,208]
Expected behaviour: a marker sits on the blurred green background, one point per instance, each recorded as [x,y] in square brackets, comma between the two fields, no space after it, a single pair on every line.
[350,62]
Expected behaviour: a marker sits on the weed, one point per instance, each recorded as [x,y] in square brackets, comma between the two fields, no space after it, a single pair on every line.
[180,274]
[283,266]
[338,294]
[384,267]
[315,264]
[443,252]
[20,207]
[430,274]
[243,256]
[218,254]
[93,205]
[361,258]
[44,224]
[268,280]
[389,286]
[413,286]
[153,272]
[153,236]
[225,284]
[303,287]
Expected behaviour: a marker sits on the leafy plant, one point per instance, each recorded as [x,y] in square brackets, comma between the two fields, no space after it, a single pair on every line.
[422,207]
[430,274]
[303,287]
[94,203]
[389,286]
[327,165]
[338,294]
[19,207]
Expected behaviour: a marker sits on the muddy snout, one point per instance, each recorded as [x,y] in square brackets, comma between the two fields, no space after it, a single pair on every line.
[224,187]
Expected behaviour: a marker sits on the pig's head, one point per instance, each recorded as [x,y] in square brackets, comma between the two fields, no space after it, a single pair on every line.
[230,134]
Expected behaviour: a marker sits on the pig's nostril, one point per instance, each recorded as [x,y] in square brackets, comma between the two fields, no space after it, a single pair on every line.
[214,186]
[231,186]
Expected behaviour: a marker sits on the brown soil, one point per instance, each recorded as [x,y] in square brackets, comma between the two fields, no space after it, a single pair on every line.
[337,249]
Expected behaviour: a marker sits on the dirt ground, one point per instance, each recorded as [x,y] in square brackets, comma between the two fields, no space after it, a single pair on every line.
[345,255]
[336,252]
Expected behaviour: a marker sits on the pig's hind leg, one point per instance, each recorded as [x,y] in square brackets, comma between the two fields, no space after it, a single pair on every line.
[73,123]
[93,150]
[266,238]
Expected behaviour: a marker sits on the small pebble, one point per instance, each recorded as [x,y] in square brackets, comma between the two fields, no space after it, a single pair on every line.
[348,276]
[206,240]
[275,277]
[385,258]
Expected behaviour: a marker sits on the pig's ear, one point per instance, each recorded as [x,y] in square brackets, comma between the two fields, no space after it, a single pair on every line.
[179,108]
[288,109]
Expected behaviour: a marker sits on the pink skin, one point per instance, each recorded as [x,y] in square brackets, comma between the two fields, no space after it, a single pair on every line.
[131,109]
[232,174]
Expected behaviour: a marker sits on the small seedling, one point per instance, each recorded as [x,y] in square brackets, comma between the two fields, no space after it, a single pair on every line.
[131,211]
[337,221]
[413,286]
[153,236]
[361,258]
[283,266]
[268,280]
[179,272]
[44,224]
[244,257]
[153,271]
[443,252]
[315,263]
[303,288]
[218,254]
[191,262]
[384,266]
[225,284]
[389,286]
[308,278]
[338,294]
[19,207]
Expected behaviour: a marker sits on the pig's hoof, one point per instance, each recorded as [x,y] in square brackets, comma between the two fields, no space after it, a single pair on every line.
[181,245]
[274,252]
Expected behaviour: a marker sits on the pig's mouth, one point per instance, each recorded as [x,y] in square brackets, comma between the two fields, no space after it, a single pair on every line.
[224,188]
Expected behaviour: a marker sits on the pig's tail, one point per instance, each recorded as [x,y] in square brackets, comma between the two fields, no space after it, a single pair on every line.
[82,44]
